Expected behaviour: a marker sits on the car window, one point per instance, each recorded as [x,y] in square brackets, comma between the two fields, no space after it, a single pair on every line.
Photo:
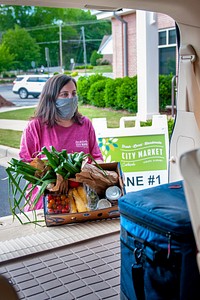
[32,79]
[43,79]
[19,78]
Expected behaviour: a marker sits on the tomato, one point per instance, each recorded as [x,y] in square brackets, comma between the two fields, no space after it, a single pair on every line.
[57,204]
[49,205]
[63,197]
[52,201]
[49,197]
[73,184]
[63,203]
[67,207]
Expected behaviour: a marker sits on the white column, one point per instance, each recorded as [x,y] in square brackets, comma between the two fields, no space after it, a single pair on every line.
[147,64]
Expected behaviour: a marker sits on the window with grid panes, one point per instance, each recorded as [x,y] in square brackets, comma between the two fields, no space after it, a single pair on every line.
[167,51]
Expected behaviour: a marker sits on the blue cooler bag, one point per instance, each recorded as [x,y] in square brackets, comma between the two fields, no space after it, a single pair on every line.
[158,250]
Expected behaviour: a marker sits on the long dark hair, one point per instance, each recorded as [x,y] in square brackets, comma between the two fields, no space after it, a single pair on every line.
[46,108]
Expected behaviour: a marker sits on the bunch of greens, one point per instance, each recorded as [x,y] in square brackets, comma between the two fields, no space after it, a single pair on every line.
[43,173]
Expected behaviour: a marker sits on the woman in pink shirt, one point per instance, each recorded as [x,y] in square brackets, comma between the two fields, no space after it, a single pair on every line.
[58,123]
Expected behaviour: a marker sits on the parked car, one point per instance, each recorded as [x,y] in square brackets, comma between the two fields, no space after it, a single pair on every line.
[25,85]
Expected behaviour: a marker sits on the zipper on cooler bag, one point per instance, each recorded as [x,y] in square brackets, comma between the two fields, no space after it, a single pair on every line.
[159,230]
[148,251]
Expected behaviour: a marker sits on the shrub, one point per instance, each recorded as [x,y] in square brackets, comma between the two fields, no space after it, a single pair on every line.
[170,126]
[111,89]
[94,57]
[83,67]
[102,62]
[121,93]
[90,67]
[56,73]
[96,93]
[5,75]
[127,94]
[74,74]
[67,72]
[83,85]
[12,75]
[165,90]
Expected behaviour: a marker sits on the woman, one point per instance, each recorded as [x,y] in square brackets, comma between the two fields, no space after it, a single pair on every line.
[58,123]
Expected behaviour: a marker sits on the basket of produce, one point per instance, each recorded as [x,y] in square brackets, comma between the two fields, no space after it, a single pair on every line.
[73,187]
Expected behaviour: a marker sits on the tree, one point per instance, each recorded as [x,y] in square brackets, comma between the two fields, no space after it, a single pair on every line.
[6,58]
[94,57]
[12,15]
[23,46]
[42,25]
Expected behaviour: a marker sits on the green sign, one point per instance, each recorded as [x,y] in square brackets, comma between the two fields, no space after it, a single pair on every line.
[135,153]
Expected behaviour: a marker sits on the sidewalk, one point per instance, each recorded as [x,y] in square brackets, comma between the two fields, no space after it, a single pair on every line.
[6,153]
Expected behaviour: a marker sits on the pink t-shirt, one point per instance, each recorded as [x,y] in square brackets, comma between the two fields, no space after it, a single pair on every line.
[75,138]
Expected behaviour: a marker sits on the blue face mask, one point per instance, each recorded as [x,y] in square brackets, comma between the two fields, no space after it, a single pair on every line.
[66,107]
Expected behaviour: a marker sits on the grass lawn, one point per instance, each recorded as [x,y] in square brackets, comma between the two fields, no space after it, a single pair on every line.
[10,138]
[97,69]
[112,117]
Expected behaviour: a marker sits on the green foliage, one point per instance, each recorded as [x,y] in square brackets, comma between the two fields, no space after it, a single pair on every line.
[103,62]
[170,126]
[67,72]
[89,67]
[121,93]
[5,75]
[42,25]
[147,123]
[165,90]
[6,58]
[74,74]
[84,67]
[12,75]
[127,94]
[96,93]
[83,85]
[22,46]
[94,57]
[111,90]
[12,15]
[170,123]
[2,81]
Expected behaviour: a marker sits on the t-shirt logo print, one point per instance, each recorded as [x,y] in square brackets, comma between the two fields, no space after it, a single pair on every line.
[82,144]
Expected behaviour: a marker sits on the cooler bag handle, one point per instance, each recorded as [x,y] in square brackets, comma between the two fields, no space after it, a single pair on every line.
[138,275]
[144,252]
[137,270]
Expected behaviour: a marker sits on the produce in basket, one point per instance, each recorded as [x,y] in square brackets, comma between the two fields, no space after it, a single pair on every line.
[96,178]
[78,200]
[52,172]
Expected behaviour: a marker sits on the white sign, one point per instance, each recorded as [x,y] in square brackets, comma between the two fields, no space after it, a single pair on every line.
[141,151]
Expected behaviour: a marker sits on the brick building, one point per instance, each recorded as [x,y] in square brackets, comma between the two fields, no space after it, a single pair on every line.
[166,42]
